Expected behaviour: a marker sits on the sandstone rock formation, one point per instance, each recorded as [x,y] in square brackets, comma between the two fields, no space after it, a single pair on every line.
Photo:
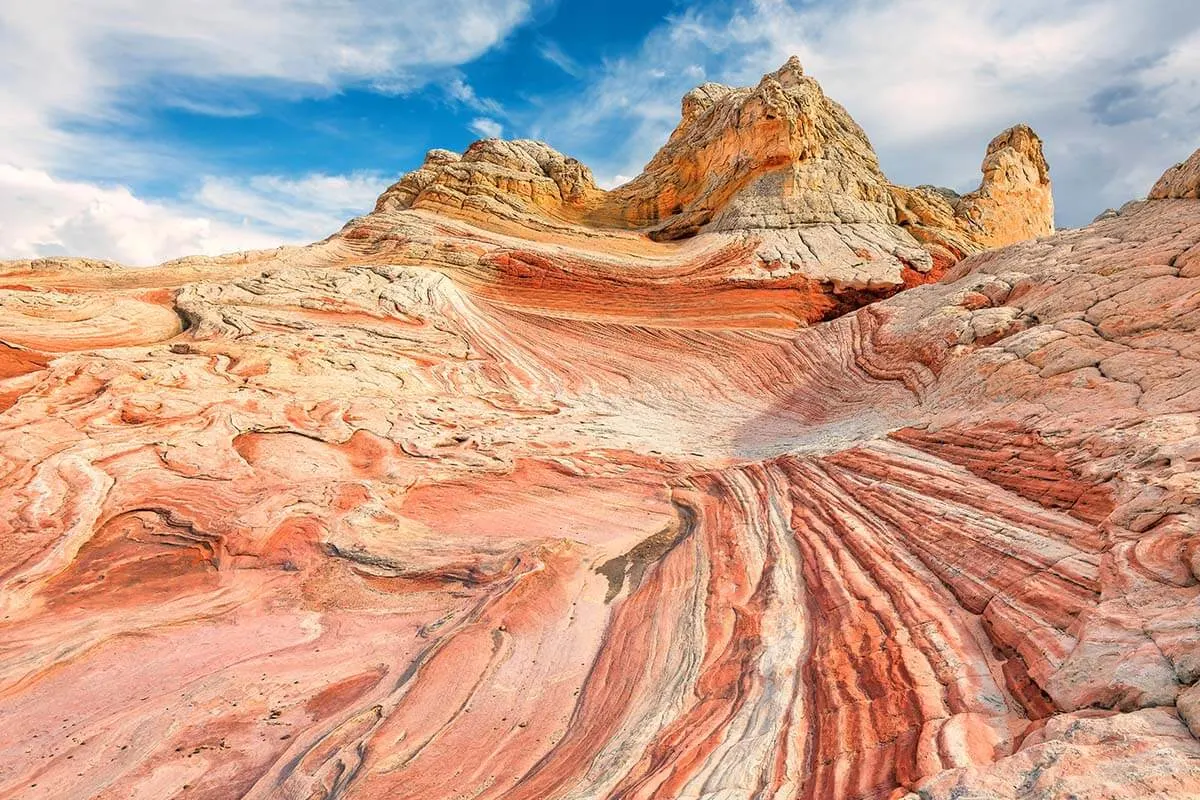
[495,180]
[1012,204]
[780,165]
[483,498]
[1181,182]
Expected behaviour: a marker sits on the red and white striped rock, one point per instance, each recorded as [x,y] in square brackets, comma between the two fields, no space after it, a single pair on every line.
[435,509]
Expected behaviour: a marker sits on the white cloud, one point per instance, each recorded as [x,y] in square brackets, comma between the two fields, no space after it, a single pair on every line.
[68,64]
[487,128]
[300,209]
[462,92]
[72,60]
[1110,85]
[552,52]
[41,216]
[612,182]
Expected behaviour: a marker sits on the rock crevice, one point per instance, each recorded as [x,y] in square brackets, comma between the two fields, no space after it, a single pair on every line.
[493,494]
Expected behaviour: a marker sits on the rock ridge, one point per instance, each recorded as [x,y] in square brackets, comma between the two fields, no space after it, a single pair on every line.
[780,163]
[472,501]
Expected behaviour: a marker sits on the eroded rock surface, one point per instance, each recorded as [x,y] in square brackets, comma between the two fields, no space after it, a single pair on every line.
[469,503]
[1180,182]
[779,167]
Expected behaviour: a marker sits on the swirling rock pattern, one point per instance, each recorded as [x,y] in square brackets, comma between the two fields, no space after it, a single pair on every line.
[779,164]
[447,507]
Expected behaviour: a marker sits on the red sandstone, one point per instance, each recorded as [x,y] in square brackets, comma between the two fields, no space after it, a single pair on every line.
[453,505]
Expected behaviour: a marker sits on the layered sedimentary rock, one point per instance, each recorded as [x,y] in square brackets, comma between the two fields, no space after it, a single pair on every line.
[1180,182]
[1012,204]
[473,501]
[778,166]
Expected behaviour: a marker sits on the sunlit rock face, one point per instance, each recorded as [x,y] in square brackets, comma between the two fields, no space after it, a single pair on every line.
[499,493]
[778,172]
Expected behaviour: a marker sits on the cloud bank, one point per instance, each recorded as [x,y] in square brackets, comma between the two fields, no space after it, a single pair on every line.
[67,64]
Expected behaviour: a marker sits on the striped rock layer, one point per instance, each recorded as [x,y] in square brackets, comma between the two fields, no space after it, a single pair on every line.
[445,509]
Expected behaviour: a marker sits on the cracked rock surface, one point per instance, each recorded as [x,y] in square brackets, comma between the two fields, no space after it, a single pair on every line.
[498,494]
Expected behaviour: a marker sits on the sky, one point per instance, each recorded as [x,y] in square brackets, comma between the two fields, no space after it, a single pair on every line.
[144,130]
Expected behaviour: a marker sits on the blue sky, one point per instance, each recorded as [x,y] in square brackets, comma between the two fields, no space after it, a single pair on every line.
[142,130]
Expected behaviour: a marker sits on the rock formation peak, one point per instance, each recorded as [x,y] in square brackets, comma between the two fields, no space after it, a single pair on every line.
[776,155]
[778,167]
[1180,182]
[520,489]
